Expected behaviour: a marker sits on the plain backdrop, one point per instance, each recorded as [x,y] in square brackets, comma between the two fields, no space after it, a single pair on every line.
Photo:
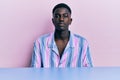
[23,21]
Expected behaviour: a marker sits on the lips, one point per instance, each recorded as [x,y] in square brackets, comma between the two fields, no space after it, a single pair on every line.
[61,23]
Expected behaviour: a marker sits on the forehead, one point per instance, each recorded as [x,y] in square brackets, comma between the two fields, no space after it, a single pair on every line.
[61,11]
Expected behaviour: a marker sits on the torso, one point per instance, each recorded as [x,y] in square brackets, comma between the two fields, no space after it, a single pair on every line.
[61,45]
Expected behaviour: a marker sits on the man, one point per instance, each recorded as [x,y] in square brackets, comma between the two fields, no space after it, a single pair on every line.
[61,48]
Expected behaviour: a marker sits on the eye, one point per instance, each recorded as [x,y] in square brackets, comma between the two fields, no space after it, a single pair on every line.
[57,16]
[65,15]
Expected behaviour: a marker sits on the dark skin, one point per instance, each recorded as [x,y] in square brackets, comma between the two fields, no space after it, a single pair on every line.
[61,20]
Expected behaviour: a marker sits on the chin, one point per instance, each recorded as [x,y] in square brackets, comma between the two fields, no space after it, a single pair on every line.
[62,28]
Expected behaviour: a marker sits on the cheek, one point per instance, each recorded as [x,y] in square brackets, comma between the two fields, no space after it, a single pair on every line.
[56,20]
[70,21]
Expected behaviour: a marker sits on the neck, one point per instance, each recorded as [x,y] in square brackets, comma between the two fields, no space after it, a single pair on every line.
[63,35]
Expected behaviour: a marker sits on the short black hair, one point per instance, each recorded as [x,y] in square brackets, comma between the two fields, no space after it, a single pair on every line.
[62,5]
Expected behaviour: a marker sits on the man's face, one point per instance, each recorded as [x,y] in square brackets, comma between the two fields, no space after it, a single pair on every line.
[61,19]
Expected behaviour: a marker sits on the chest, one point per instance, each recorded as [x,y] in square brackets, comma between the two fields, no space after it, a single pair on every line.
[61,45]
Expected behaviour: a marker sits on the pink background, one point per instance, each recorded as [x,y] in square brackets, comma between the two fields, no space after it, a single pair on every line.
[23,21]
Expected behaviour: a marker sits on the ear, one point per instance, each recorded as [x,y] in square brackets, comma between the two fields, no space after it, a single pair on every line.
[52,20]
[70,20]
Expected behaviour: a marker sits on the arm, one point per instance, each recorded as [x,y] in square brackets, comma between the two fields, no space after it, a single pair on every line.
[36,57]
[86,58]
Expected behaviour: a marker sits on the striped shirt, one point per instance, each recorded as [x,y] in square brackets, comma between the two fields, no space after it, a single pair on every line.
[46,54]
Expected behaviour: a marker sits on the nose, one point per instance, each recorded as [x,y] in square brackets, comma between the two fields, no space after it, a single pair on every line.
[61,18]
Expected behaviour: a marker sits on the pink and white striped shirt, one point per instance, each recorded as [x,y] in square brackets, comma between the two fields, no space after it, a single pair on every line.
[76,53]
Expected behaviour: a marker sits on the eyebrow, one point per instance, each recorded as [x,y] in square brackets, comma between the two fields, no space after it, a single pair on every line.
[58,13]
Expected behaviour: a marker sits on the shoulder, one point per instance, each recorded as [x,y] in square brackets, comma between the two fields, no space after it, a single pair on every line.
[44,37]
[80,38]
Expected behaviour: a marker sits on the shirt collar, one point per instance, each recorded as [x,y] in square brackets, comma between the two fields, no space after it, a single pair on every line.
[52,44]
